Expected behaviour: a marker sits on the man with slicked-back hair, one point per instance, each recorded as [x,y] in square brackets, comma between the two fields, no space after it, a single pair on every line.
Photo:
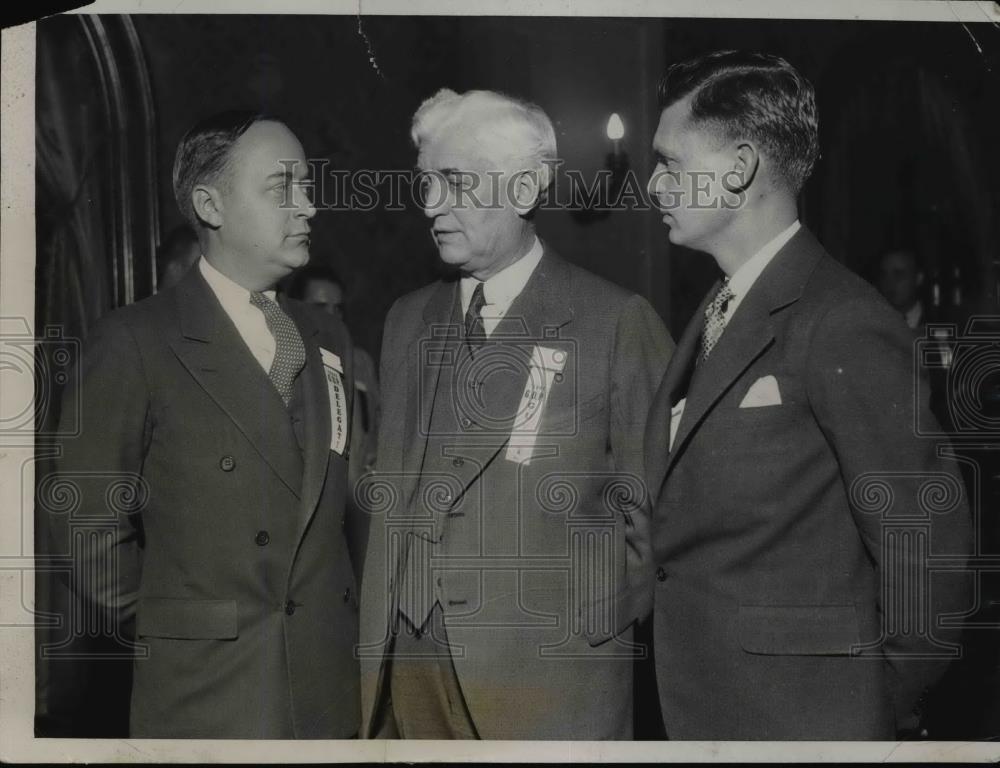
[794,505]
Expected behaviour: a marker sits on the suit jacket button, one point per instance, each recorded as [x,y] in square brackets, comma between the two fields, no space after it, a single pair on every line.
[661,575]
[457,461]
[227,463]
[290,607]
[262,538]
[347,595]
[466,422]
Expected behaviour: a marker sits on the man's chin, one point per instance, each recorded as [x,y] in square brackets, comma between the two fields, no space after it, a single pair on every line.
[297,257]
[674,235]
[454,257]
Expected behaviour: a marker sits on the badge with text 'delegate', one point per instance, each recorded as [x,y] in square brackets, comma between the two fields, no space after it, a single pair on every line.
[333,372]
[545,364]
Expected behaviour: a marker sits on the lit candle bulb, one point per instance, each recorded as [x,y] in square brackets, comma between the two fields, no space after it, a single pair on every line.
[616,131]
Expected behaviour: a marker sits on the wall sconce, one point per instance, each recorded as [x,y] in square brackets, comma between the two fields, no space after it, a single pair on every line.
[615,171]
[617,160]
[616,131]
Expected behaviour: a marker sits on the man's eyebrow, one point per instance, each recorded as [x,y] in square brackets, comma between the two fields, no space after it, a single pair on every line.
[288,175]
[443,171]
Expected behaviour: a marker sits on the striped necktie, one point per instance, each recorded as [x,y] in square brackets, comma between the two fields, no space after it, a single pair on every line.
[475,333]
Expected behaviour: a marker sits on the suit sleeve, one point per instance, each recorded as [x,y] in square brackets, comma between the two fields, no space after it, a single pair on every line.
[642,350]
[102,465]
[861,388]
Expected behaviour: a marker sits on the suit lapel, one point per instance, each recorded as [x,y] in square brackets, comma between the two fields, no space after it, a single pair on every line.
[749,332]
[316,415]
[747,335]
[539,312]
[216,356]
[672,388]
[437,346]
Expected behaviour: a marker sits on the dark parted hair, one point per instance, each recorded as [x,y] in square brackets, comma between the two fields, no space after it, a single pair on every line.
[753,95]
[316,271]
[204,152]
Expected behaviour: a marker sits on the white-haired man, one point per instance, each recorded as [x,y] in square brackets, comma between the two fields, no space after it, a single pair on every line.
[510,556]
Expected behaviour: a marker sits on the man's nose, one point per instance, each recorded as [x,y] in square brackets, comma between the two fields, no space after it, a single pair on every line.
[436,200]
[652,186]
[305,208]
[657,185]
[654,182]
[436,204]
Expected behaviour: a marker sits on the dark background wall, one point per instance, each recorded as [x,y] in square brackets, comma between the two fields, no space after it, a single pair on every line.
[350,96]
[907,113]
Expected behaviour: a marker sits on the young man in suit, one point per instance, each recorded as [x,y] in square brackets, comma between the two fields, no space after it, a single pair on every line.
[511,557]
[795,507]
[220,415]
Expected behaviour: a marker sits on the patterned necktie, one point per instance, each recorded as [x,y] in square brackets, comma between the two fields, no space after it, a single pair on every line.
[475,333]
[289,351]
[715,320]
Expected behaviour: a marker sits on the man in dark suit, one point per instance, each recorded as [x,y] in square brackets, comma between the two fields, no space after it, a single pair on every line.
[508,556]
[794,505]
[222,416]
[320,286]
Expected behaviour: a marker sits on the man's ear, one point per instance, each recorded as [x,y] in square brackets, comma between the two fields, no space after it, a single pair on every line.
[207,203]
[525,191]
[744,169]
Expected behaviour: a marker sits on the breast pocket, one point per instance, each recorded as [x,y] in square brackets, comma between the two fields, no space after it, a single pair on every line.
[764,429]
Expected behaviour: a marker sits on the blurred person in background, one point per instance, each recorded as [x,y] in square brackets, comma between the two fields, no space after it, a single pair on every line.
[320,285]
[177,254]
[900,280]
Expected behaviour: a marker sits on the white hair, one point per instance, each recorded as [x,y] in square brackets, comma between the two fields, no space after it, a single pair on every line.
[513,129]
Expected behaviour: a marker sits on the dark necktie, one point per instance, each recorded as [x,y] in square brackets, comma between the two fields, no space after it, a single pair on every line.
[715,320]
[475,333]
[289,351]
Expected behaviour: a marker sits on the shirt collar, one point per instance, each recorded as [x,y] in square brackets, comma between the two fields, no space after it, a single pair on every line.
[230,293]
[507,284]
[747,275]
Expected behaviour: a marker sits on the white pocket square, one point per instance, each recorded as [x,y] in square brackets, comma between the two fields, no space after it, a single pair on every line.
[762,392]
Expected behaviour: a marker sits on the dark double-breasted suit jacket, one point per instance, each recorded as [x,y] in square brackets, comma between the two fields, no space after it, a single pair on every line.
[540,567]
[794,515]
[226,543]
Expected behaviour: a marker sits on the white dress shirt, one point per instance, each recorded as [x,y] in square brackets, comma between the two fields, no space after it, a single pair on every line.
[249,321]
[744,277]
[500,290]
[740,283]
